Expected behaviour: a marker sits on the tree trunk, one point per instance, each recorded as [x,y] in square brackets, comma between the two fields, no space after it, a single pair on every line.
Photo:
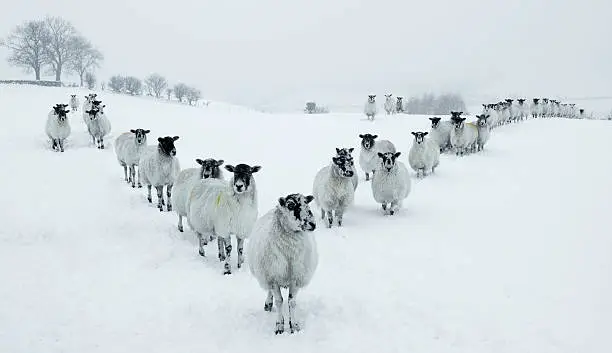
[58,73]
[81,77]
[37,72]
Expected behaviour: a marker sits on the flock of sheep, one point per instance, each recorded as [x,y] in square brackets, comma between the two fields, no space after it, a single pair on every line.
[282,249]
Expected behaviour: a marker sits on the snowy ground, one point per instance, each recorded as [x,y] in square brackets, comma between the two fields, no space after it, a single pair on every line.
[505,251]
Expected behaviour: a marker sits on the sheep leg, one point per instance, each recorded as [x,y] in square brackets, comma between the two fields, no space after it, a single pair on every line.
[133,175]
[339,213]
[268,302]
[180,225]
[367,176]
[278,302]
[149,194]
[102,142]
[227,268]
[53,144]
[240,251]
[61,144]
[221,246]
[394,207]
[203,241]
[169,196]
[384,207]
[293,325]
[125,172]
[160,197]
[322,214]
[330,219]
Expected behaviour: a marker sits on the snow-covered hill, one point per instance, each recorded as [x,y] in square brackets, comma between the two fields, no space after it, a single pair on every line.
[508,250]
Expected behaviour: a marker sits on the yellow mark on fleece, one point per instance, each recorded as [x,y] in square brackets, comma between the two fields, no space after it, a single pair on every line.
[219,199]
[472,125]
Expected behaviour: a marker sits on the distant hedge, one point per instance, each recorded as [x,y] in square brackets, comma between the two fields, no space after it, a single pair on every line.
[30,82]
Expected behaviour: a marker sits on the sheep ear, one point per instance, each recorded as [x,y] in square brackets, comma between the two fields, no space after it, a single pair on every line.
[133,131]
[255,169]
[360,136]
[308,199]
[175,138]
[425,133]
[413,133]
[220,162]
[380,155]
[374,136]
[229,168]
[147,131]
[397,154]
[159,139]
[67,111]
[337,150]
[351,149]
[281,201]
[199,161]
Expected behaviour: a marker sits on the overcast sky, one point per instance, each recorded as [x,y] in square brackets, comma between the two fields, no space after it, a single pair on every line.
[258,52]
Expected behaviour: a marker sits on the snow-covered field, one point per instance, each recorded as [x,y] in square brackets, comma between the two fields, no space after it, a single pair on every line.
[509,250]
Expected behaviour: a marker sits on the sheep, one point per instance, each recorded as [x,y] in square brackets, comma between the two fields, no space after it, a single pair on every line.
[369,147]
[389,104]
[346,152]
[391,183]
[187,179]
[370,109]
[98,126]
[440,133]
[158,166]
[523,109]
[333,189]
[463,135]
[58,126]
[399,105]
[128,148]
[424,154]
[484,131]
[283,253]
[218,208]
[535,108]
[74,103]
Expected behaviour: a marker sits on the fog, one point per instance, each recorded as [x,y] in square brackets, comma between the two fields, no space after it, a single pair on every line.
[274,54]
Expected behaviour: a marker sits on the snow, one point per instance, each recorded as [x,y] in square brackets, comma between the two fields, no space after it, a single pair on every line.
[508,250]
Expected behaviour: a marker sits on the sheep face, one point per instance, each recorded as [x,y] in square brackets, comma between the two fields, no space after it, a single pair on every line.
[388,159]
[367,141]
[242,176]
[545,100]
[166,145]
[372,98]
[581,111]
[521,101]
[209,166]
[435,121]
[399,99]
[509,101]
[93,113]
[482,120]
[536,101]
[60,111]
[419,137]
[388,95]
[344,166]
[346,152]
[458,122]
[296,214]
[141,136]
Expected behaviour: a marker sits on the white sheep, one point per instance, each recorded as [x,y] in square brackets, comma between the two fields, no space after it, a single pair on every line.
[282,253]
[440,133]
[187,179]
[87,106]
[484,131]
[98,126]
[399,105]
[424,154]
[370,109]
[391,183]
[463,135]
[347,152]
[333,189]
[158,166]
[128,147]
[58,126]
[218,208]
[74,103]
[389,104]
[535,108]
[368,159]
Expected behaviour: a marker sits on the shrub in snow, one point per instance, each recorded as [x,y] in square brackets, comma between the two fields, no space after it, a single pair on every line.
[463,135]
[333,189]
[98,126]
[74,102]
[391,183]
[484,131]
[347,153]
[129,146]
[218,208]
[58,126]
[368,158]
[424,154]
[187,179]
[440,133]
[159,167]
[370,109]
[282,253]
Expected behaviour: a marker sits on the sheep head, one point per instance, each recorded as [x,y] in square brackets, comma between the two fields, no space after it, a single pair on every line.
[296,213]
[209,166]
[242,176]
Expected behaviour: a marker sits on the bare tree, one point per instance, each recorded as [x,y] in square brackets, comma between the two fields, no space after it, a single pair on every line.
[156,84]
[28,43]
[84,57]
[116,83]
[90,78]
[193,95]
[60,49]
[180,91]
[133,86]
[169,93]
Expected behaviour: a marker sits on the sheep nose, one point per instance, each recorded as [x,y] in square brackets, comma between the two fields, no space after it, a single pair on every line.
[174,152]
[239,187]
[349,173]
[312,226]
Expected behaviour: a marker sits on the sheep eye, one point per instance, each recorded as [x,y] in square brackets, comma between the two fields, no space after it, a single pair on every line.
[290,205]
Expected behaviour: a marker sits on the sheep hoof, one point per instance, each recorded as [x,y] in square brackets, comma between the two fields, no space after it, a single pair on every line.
[150,201]
[139,185]
[169,207]
[294,327]
[201,251]
[180,228]
[268,307]
[221,257]
[227,270]
[280,328]
[391,212]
